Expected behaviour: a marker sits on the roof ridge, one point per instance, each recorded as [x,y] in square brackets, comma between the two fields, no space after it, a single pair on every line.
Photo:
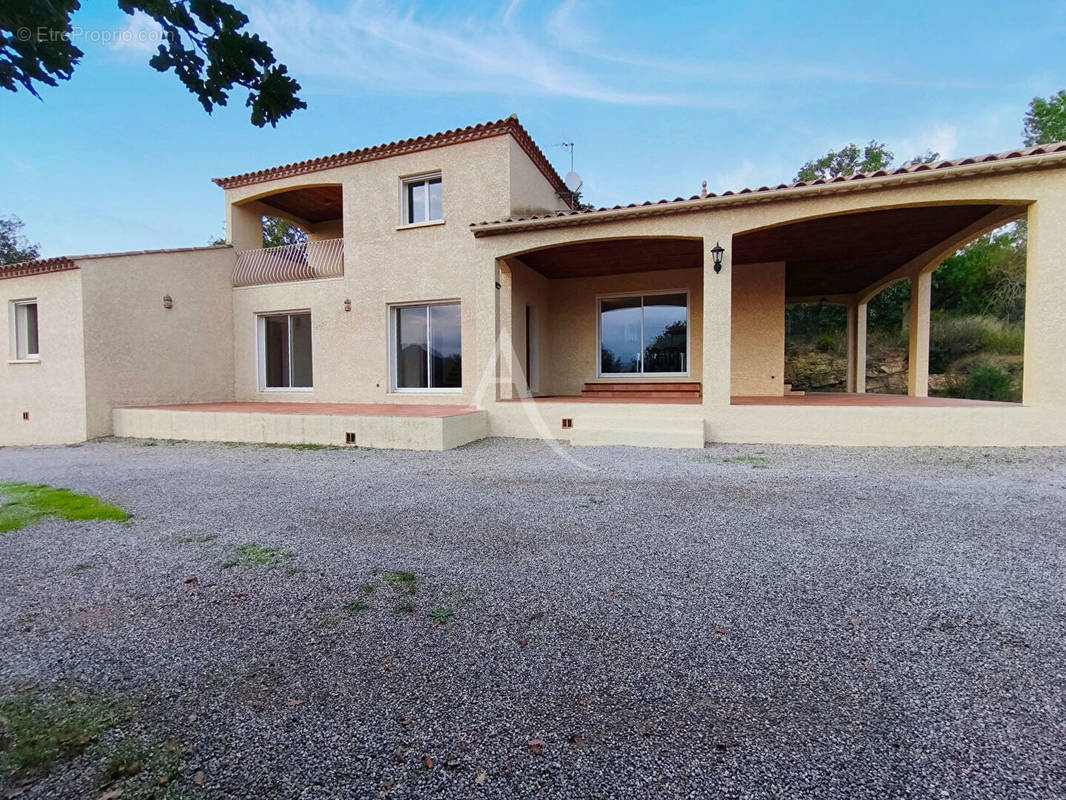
[483,130]
[1007,155]
[55,263]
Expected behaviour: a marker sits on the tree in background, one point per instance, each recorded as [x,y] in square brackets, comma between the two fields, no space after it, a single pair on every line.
[849,160]
[14,247]
[1045,121]
[280,232]
[202,42]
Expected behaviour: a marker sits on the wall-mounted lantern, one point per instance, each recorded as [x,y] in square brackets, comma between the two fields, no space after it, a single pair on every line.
[717,252]
[168,301]
[347,305]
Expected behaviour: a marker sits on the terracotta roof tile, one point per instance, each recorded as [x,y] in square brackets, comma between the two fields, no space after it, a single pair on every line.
[37,267]
[698,202]
[472,133]
[60,263]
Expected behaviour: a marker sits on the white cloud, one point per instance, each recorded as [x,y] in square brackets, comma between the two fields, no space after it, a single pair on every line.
[938,137]
[371,43]
[141,34]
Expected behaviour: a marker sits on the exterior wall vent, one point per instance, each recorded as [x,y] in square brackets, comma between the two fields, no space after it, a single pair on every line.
[568,423]
[349,438]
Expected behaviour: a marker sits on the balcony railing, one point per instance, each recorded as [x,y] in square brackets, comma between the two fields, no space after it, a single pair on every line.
[323,258]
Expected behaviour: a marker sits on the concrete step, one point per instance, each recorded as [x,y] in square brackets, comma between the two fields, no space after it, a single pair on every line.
[672,432]
[659,390]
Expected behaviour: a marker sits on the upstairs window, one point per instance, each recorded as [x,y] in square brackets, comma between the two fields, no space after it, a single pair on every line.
[285,351]
[422,200]
[25,325]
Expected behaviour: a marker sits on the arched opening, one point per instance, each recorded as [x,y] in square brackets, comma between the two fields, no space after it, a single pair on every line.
[610,319]
[293,234]
[923,300]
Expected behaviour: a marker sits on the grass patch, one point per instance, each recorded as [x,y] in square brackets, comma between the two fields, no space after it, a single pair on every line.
[755,462]
[357,607]
[41,727]
[253,554]
[441,616]
[305,446]
[331,623]
[405,581]
[26,503]
[143,769]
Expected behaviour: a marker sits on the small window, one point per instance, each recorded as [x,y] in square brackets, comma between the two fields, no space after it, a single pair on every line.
[427,348]
[25,318]
[422,200]
[285,350]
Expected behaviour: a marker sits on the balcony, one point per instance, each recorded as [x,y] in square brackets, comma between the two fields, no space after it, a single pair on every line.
[312,260]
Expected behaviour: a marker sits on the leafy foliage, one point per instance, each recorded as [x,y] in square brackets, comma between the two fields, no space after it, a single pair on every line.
[849,160]
[203,42]
[985,277]
[279,232]
[14,247]
[1045,121]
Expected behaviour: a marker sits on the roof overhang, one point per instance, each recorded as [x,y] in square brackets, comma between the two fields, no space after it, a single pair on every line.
[1034,158]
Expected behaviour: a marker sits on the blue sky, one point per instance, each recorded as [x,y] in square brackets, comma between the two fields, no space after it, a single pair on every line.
[657,96]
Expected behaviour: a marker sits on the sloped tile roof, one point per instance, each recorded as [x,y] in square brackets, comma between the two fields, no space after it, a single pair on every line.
[1025,158]
[37,267]
[471,133]
[60,263]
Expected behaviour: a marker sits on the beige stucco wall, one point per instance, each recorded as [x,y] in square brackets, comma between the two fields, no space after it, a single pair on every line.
[139,353]
[386,263]
[574,356]
[53,389]
[529,288]
[530,192]
[758,329]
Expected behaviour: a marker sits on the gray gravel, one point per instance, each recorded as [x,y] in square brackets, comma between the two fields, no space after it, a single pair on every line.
[736,622]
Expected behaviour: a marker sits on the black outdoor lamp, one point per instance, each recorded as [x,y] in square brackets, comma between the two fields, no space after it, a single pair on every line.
[717,251]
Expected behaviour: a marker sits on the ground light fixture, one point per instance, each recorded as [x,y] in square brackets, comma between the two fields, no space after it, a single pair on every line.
[717,251]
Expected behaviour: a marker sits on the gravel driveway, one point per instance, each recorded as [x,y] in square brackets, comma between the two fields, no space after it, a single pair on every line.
[736,622]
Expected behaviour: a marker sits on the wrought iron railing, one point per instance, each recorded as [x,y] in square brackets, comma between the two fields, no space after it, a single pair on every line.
[323,258]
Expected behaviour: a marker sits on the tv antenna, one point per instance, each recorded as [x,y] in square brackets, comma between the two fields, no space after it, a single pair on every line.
[572,180]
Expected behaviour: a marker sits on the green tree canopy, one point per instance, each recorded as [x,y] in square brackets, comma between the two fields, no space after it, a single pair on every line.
[1045,121]
[14,247]
[280,232]
[849,160]
[203,42]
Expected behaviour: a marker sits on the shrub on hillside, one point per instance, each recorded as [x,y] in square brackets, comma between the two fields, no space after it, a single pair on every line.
[1005,339]
[989,383]
[953,337]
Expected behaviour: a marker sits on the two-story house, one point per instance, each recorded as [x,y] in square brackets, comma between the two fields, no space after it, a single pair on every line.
[448,291]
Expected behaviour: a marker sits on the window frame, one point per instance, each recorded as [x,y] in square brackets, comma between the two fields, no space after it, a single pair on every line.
[643,375]
[260,338]
[393,315]
[17,334]
[405,208]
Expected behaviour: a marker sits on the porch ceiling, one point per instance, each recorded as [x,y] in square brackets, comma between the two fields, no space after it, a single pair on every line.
[614,256]
[312,203]
[846,253]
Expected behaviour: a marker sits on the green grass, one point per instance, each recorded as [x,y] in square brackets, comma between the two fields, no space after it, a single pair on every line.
[406,581]
[357,606]
[26,503]
[41,727]
[306,446]
[441,616]
[756,462]
[254,554]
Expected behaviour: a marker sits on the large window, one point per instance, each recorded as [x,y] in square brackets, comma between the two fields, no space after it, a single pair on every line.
[24,317]
[422,200]
[644,334]
[285,350]
[427,347]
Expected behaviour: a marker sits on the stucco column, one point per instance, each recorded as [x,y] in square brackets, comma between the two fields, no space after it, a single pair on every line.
[857,347]
[244,226]
[717,322]
[505,340]
[1043,375]
[918,356]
